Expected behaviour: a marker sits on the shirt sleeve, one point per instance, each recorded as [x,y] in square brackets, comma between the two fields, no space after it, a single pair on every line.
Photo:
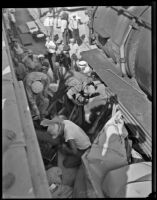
[68,134]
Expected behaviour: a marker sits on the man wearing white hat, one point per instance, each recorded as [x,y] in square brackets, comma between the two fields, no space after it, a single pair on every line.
[51,49]
[36,85]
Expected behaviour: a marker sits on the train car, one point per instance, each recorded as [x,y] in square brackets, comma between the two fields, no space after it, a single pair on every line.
[124,35]
[123,60]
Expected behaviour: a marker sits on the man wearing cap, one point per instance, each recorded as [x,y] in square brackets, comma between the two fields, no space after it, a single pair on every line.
[31,61]
[36,85]
[84,67]
[44,63]
[72,139]
[51,49]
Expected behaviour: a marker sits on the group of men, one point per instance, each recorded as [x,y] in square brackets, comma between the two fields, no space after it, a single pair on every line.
[43,76]
[66,25]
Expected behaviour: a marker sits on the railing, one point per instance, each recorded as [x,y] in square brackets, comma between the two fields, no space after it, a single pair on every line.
[36,166]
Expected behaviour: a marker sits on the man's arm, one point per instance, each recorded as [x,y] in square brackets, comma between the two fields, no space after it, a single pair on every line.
[72,150]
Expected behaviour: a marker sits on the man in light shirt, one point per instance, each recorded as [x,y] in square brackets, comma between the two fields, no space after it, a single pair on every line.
[74,48]
[74,23]
[73,141]
[51,51]
[49,23]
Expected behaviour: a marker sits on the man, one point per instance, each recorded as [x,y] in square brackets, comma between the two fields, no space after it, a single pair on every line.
[6,19]
[44,63]
[20,70]
[36,85]
[74,48]
[84,68]
[64,27]
[13,21]
[45,68]
[19,50]
[66,57]
[74,23]
[31,62]
[49,23]
[72,140]
[51,49]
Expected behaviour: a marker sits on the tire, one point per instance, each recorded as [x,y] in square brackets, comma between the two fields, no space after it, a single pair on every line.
[130,51]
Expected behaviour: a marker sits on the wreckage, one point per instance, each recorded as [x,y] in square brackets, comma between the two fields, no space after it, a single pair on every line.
[119,65]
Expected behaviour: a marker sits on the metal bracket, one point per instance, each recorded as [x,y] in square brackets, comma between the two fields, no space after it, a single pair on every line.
[122,60]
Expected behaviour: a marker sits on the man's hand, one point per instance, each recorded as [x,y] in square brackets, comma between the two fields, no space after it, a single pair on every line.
[36,117]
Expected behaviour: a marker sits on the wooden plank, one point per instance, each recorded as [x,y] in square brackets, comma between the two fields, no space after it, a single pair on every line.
[37,169]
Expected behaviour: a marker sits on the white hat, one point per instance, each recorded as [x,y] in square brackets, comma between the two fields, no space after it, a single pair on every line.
[82,64]
[40,56]
[53,87]
[37,87]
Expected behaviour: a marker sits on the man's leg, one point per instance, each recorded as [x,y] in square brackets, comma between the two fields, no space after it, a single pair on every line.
[78,37]
[43,105]
[49,57]
[71,161]
[74,34]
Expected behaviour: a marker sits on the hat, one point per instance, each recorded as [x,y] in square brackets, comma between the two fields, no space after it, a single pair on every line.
[30,51]
[82,64]
[37,87]
[45,63]
[66,48]
[40,56]
[49,14]
[53,87]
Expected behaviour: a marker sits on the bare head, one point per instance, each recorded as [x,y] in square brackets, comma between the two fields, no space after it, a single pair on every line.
[54,130]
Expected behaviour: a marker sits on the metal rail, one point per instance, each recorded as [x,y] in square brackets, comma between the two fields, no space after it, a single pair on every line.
[138,132]
[37,171]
